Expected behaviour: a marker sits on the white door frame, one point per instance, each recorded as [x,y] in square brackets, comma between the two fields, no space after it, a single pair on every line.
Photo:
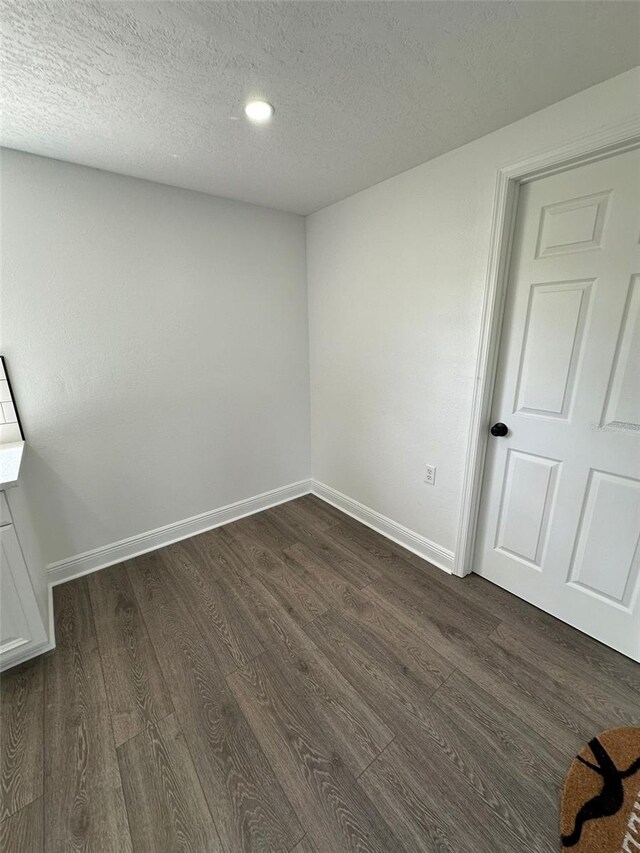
[609,140]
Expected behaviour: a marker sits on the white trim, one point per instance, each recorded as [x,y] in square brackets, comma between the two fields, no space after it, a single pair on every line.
[8,660]
[125,549]
[420,545]
[52,619]
[607,141]
[108,555]
[31,651]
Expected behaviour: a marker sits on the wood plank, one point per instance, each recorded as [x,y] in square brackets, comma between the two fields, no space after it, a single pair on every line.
[314,513]
[255,604]
[366,539]
[365,544]
[437,589]
[383,557]
[537,699]
[288,524]
[304,846]
[83,800]
[250,810]
[272,620]
[607,705]
[22,752]
[577,654]
[73,614]
[317,570]
[269,618]
[498,732]
[355,568]
[23,832]
[556,689]
[611,666]
[457,706]
[195,580]
[358,733]
[335,813]
[418,817]
[381,674]
[352,726]
[430,808]
[300,598]
[320,505]
[482,793]
[317,510]
[456,741]
[408,638]
[135,687]
[398,696]
[443,631]
[395,563]
[503,730]
[266,529]
[453,625]
[228,555]
[167,809]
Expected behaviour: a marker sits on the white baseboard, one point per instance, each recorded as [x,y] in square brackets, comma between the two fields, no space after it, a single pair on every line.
[420,545]
[125,549]
[8,661]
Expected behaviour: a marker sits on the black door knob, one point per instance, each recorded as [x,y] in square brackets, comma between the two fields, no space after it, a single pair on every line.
[499,429]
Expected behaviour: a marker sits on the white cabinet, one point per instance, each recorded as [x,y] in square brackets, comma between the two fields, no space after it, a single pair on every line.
[22,632]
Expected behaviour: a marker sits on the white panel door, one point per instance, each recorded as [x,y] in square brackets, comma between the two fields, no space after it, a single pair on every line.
[560,513]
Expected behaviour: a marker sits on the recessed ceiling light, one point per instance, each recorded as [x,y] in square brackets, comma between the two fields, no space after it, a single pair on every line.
[258,111]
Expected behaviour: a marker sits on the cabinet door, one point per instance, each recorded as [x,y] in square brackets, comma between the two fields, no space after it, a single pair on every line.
[20,622]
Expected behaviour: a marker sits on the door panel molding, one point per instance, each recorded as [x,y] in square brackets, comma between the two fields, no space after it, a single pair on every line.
[610,527]
[582,221]
[519,532]
[570,315]
[614,139]
[622,406]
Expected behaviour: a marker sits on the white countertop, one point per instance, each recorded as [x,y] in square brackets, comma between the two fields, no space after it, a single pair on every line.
[10,459]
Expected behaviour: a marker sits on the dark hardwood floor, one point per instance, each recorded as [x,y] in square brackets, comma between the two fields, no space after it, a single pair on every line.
[295,682]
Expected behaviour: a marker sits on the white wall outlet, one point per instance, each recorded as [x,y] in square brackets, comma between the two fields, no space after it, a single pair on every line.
[430,475]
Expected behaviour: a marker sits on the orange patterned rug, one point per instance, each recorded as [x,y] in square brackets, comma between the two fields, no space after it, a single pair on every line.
[601,797]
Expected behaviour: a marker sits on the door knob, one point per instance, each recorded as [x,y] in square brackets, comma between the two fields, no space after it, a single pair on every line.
[499,429]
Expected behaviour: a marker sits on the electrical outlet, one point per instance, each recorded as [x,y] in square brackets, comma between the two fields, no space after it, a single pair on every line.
[430,475]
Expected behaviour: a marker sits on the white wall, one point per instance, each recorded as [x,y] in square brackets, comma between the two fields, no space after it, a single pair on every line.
[396,276]
[157,338]
[157,343]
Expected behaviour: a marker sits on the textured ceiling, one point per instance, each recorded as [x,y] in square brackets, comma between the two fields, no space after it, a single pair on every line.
[362,90]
